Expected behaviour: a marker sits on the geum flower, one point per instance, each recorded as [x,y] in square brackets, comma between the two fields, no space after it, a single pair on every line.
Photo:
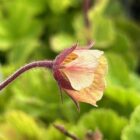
[80,72]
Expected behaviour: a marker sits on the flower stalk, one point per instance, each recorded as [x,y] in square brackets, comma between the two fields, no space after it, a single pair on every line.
[86,7]
[45,64]
[65,132]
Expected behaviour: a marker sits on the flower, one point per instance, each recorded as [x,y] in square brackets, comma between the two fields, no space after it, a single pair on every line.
[80,72]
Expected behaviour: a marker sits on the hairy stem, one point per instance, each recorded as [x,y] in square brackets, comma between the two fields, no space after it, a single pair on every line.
[44,63]
[86,6]
[65,132]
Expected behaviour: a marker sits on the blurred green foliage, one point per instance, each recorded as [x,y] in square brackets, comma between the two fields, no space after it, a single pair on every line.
[39,29]
[132,131]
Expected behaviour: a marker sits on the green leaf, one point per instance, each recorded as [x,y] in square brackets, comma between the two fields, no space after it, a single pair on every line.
[53,134]
[79,27]
[132,130]
[61,41]
[37,93]
[98,8]
[19,26]
[114,9]
[118,72]
[101,119]
[124,96]
[21,52]
[24,125]
[122,44]
[135,81]
[131,29]
[63,5]
[102,31]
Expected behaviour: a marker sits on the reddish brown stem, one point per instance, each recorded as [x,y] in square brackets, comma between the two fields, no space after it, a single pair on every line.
[44,63]
[86,6]
[65,132]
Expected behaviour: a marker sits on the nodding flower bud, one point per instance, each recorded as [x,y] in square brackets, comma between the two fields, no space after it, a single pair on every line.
[80,72]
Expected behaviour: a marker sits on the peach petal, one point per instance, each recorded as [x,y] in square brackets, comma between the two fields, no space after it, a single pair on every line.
[86,59]
[79,67]
[94,92]
[79,80]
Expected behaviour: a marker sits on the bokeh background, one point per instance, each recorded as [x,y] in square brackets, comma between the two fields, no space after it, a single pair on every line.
[40,29]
